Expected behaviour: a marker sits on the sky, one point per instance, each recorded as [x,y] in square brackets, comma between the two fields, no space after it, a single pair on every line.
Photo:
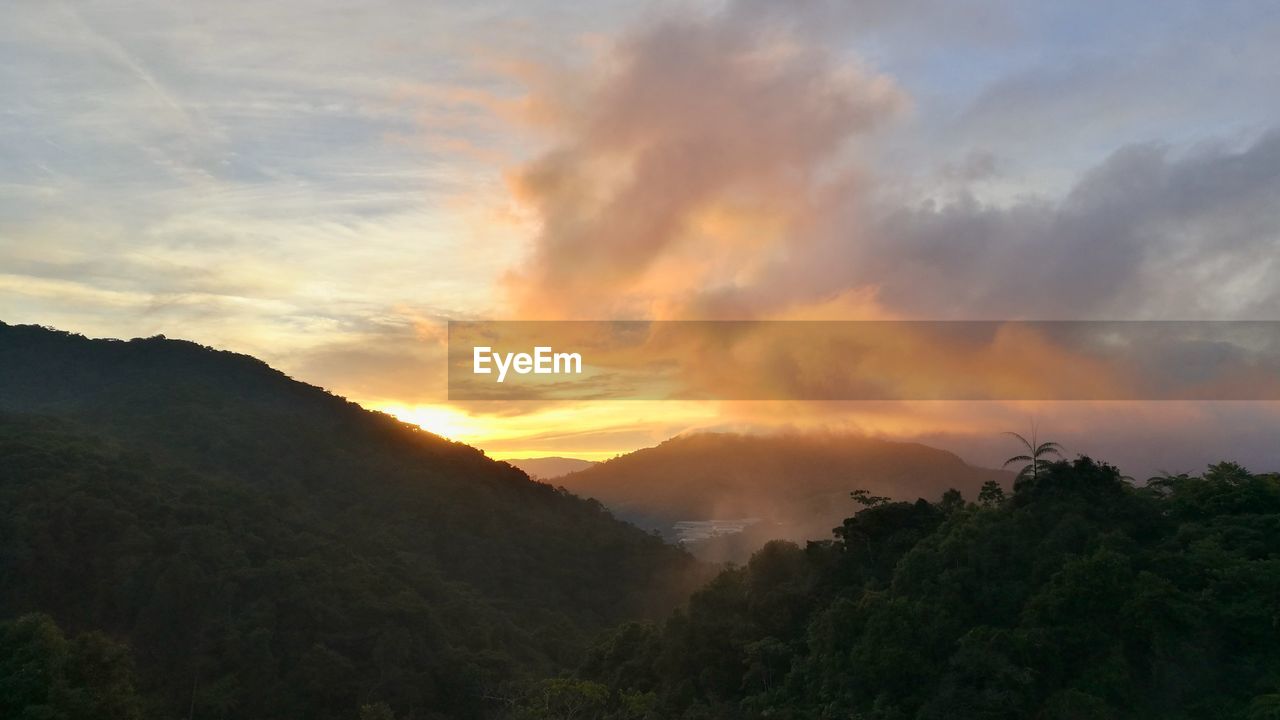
[325,184]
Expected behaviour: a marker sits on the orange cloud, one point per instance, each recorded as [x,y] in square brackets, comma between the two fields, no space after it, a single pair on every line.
[706,167]
[693,159]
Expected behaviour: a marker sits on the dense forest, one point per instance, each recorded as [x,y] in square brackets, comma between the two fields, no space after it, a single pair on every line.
[189,533]
[1075,597]
[186,533]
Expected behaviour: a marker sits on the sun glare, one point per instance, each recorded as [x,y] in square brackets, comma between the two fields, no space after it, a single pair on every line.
[589,431]
[439,419]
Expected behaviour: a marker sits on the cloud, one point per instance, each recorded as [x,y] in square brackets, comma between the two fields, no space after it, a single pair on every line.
[1142,438]
[1147,233]
[715,166]
[710,170]
[688,161]
[279,178]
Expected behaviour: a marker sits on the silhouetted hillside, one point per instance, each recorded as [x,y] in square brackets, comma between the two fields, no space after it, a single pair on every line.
[267,549]
[796,486]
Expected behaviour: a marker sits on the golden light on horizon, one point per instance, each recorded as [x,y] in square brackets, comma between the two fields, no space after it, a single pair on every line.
[589,431]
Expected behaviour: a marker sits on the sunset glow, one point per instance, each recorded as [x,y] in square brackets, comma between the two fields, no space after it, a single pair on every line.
[593,431]
[330,206]
[657,360]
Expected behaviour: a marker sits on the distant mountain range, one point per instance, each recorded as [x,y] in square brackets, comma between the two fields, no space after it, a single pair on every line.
[793,486]
[550,468]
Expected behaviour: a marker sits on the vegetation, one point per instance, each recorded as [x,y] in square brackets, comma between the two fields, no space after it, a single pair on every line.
[1038,456]
[248,546]
[45,674]
[189,534]
[1076,597]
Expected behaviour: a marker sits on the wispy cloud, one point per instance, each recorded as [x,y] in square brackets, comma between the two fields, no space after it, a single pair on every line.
[312,183]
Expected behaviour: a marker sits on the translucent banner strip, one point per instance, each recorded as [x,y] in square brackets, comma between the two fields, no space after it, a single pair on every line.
[864,360]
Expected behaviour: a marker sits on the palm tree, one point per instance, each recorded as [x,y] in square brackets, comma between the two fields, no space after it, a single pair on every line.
[1036,457]
[1165,482]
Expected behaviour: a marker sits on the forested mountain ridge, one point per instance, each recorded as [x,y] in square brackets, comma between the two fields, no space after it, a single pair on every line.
[266,548]
[188,533]
[1076,597]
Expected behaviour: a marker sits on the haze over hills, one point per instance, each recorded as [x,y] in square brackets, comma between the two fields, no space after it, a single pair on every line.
[550,468]
[264,547]
[792,486]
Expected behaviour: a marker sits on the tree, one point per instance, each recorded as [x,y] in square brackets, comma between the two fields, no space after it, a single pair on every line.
[1077,597]
[1037,456]
[376,711]
[991,494]
[866,499]
[952,500]
[45,674]
[565,699]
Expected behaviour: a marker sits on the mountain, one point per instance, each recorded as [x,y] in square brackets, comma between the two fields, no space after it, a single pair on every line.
[1076,596]
[550,468]
[262,547]
[792,486]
